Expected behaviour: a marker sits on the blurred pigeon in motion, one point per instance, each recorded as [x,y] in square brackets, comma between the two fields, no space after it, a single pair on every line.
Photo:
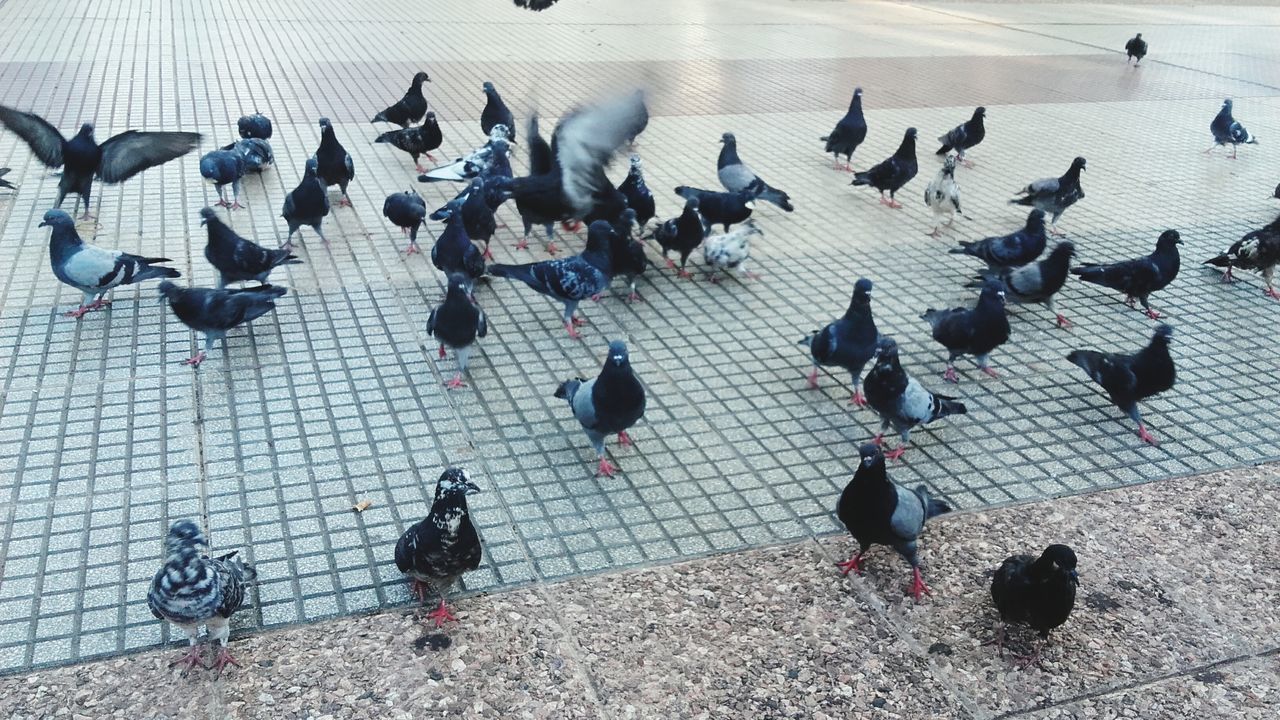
[682,234]
[333,164]
[455,254]
[900,400]
[456,323]
[417,141]
[1258,250]
[532,211]
[214,312]
[890,175]
[487,160]
[976,331]
[626,255]
[1135,49]
[569,280]
[1140,277]
[222,168]
[407,211]
[1054,195]
[256,126]
[437,550]
[848,133]
[1036,282]
[541,159]
[1130,378]
[5,183]
[191,589]
[1012,250]
[719,208]
[639,197]
[848,342]
[82,158]
[876,511]
[408,109]
[1225,131]
[731,251]
[535,5]
[943,196]
[1039,592]
[306,205]
[91,269]
[237,259]
[735,176]
[964,136]
[496,113]
[256,152]
[611,403]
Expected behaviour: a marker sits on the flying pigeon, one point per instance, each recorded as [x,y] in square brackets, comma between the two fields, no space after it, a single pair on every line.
[256,152]
[718,208]
[611,403]
[1225,131]
[214,312]
[306,205]
[237,259]
[735,176]
[496,113]
[1135,49]
[731,251]
[848,342]
[569,280]
[1130,378]
[626,256]
[1036,282]
[333,164]
[456,323]
[890,175]
[1039,592]
[417,141]
[478,162]
[1012,250]
[964,136]
[1054,195]
[1258,250]
[639,197]
[977,331]
[1139,277]
[256,126]
[454,253]
[900,400]
[91,269]
[682,234]
[407,211]
[535,5]
[943,196]
[408,109]
[848,133]
[191,589]
[876,511]
[10,186]
[222,168]
[82,158]
[437,550]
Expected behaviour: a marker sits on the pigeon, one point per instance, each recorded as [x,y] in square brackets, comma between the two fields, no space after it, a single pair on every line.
[256,126]
[735,176]
[5,183]
[943,196]
[682,234]
[480,161]
[637,193]
[718,208]
[1140,277]
[611,403]
[848,342]
[731,251]
[529,206]
[900,400]
[1135,49]
[964,136]
[475,205]
[417,141]
[408,109]
[407,211]
[256,152]
[437,550]
[192,589]
[1130,378]
[222,168]
[1258,250]
[626,256]
[569,280]
[1054,195]
[890,175]
[876,511]
[1012,250]
[1225,131]
[82,158]
[454,253]
[541,161]
[496,112]
[1036,282]
[333,164]
[306,205]
[976,332]
[456,323]
[214,312]
[535,5]
[848,133]
[1037,591]
[92,270]
[237,259]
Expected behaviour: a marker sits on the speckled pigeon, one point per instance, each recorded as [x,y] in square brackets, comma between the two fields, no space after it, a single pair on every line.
[437,550]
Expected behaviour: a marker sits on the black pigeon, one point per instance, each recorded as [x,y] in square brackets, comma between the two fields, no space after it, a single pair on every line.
[417,141]
[569,280]
[626,255]
[256,126]
[682,234]
[214,312]
[82,158]
[333,165]
[1039,592]
[237,259]
[533,208]
[848,342]
[1130,378]
[848,133]
[92,270]
[1036,282]
[1012,250]
[437,550]
[455,254]
[637,193]
[541,161]
[890,175]
[496,112]
[1258,250]
[257,153]
[719,208]
[1054,195]
[306,205]
[192,589]
[407,211]
[976,331]
[964,136]
[410,108]
[611,403]
[535,5]
[1225,131]
[1135,49]
[222,168]
[736,176]
[5,183]
[488,160]
[475,205]
[900,400]
[1140,277]
[456,323]
[876,511]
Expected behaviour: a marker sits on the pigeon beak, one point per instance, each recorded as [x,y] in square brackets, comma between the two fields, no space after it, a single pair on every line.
[472,488]
[203,222]
[42,224]
[1075,577]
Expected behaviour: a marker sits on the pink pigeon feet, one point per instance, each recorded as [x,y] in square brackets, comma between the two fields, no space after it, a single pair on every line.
[412,249]
[684,274]
[989,372]
[441,615]
[713,278]
[1153,314]
[344,202]
[191,659]
[523,244]
[878,440]
[488,253]
[813,379]
[852,565]
[634,298]
[951,376]
[1063,322]
[419,168]
[86,309]
[625,440]
[1271,293]
[917,588]
[430,157]
[1227,277]
[1031,658]
[1145,436]
[552,248]
[896,453]
[606,468]
[195,360]
[573,330]
[419,588]
[858,399]
[753,276]
[889,202]
[455,382]
[442,355]
[937,232]
[573,227]
[671,264]
[223,659]
[967,163]
[1053,230]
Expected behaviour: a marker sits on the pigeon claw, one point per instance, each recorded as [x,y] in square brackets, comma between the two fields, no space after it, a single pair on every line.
[625,440]
[195,360]
[579,321]
[1153,314]
[455,382]
[189,660]
[573,331]
[552,248]
[223,659]
[634,298]
[852,565]
[671,263]
[412,249]
[442,355]
[685,274]
[488,253]
[606,468]
[813,379]
[858,399]
[989,372]
[951,376]
[1271,293]
[441,615]
[1063,322]
[918,589]
[523,244]
[896,453]
[878,440]
[1145,436]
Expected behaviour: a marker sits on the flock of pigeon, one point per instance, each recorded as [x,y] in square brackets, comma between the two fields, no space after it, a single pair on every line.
[567,184]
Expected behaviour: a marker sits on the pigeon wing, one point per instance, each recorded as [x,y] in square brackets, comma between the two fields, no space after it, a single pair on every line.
[585,142]
[43,139]
[95,267]
[908,516]
[131,152]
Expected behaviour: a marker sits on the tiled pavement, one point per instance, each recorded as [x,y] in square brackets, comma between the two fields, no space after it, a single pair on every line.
[105,438]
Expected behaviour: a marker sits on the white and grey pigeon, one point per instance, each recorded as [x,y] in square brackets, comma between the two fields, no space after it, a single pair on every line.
[1226,131]
[610,403]
[943,196]
[474,164]
[191,589]
[92,270]
[437,550]
[214,312]
[900,400]
[731,250]
[736,176]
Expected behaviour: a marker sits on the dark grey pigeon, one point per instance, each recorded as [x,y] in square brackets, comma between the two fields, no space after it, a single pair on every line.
[1130,378]
[408,109]
[1135,50]
[496,113]
[1036,282]
[214,312]
[1054,195]
[475,205]
[256,152]
[973,331]
[455,254]
[736,176]
[1012,250]
[333,164]
[407,211]
[256,126]
[1226,131]
[682,234]
[569,280]
[237,259]
[1039,592]
[627,258]
[900,400]
[895,172]
[306,205]
[1140,277]
[848,133]
[456,323]
[848,342]
[719,208]
[437,550]
[535,5]
[223,168]
[610,403]
[5,184]
[477,163]
[417,141]
[964,136]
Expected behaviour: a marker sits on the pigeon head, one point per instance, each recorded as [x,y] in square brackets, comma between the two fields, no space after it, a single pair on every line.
[325,124]
[1035,221]
[1276,194]
[207,214]
[949,165]
[911,133]
[1163,335]
[618,355]
[454,482]
[857,92]
[599,234]
[992,291]
[1057,559]
[430,118]
[488,88]
[862,292]
[499,132]
[56,219]
[728,139]
[420,78]
[1226,105]
[869,455]
[691,203]
[1168,239]
[1077,165]
[979,112]
[887,349]
[635,163]
[312,167]
[184,537]
[167,290]
[86,129]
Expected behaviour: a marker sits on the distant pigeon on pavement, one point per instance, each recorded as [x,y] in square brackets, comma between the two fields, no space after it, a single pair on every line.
[1012,250]
[1258,250]
[5,184]
[92,270]
[535,5]
[876,511]
[496,112]
[848,133]
[214,312]
[407,211]
[257,126]
[1135,49]
[454,253]
[719,208]
[900,400]
[1036,282]
[731,251]
[1039,592]
[222,168]
[257,153]
[611,403]
[1226,131]
[973,331]
[569,280]
[682,234]
[237,259]
[437,550]
[333,164]
[306,205]
[964,136]
[408,109]
[943,196]
[456,323]
[848,342]
[191,589]
[1140,277]
[735,176]
[1130,378]
[82,158]
[890,175]
[1054,195]
[479,162]
[417,141]
[639,197]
